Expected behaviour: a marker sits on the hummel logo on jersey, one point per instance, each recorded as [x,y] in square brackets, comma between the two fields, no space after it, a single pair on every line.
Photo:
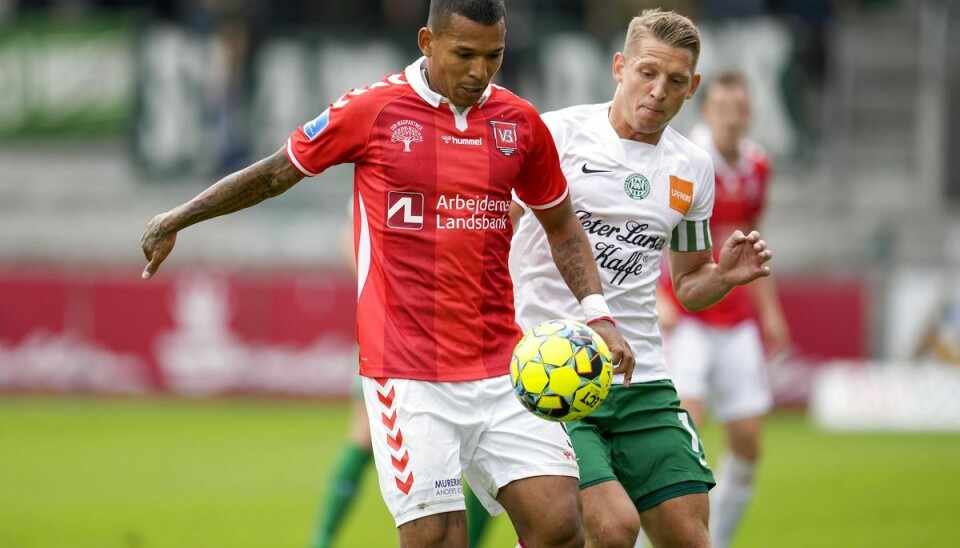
[588,171]
[405,210]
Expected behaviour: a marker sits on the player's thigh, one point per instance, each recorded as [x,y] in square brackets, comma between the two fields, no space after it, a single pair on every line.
[513,445]
[679,522]
[609,516]
[739,384]
[688,354]
[655,449]
[418,430]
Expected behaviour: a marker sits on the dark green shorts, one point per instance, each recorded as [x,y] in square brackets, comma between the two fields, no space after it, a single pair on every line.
[641,437]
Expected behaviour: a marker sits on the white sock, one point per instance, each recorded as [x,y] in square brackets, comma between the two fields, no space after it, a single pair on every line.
[730,498]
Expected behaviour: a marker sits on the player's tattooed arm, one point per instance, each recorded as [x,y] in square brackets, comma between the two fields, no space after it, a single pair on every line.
[267,178]
[570,249]
[570,261]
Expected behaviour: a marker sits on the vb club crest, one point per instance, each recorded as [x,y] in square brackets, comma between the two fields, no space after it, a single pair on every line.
[505,137]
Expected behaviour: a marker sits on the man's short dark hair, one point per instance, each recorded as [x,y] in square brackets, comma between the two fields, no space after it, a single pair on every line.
[485,12]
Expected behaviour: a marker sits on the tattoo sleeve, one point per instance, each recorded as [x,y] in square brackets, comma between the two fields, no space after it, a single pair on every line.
[569,257]
[267,178]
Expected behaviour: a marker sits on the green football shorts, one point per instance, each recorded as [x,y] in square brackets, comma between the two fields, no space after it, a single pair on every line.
[641,437]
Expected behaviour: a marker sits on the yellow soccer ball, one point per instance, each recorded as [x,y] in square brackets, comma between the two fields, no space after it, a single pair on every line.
[561,370]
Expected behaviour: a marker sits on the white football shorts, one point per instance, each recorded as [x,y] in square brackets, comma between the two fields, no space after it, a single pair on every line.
[723,366]
[427,435]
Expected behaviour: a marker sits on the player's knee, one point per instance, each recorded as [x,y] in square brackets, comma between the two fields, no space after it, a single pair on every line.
[747,451]
[621,532]
[558,529]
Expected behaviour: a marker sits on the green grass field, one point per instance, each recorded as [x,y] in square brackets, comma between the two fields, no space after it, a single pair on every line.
[248,473]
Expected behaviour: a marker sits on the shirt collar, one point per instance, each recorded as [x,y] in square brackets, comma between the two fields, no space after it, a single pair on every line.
[419,84]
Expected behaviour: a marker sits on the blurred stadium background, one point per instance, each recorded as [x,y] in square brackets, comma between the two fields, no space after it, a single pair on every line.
[202,408]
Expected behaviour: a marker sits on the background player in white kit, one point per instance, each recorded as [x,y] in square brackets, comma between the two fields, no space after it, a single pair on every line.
[716,356]
[637,187]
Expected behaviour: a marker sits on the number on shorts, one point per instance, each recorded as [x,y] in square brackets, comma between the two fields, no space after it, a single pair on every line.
[694,439]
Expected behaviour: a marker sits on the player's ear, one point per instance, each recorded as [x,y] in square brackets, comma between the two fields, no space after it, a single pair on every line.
[425,41]
[693,86]
[618,64]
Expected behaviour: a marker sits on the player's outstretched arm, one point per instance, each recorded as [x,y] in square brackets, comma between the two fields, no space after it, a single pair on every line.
[699,283]
[267,178]
[571,253]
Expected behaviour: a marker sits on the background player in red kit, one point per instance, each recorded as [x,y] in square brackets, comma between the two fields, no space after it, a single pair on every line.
[716,356]
[438,149]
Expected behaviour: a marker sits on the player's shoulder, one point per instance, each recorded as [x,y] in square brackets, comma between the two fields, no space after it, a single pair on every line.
[754,152]
[687,148]
[374,95]
[577,115]
[503,97]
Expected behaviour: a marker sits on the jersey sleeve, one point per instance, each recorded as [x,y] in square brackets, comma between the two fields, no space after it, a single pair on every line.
[541,183]
[339,135]
[693,231]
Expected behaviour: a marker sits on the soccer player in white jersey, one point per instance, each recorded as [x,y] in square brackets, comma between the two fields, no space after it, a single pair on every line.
[438,150]
[638,186]
[716,356]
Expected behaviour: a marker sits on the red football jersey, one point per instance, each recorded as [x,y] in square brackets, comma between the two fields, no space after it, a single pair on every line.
[741,191]
[432,192]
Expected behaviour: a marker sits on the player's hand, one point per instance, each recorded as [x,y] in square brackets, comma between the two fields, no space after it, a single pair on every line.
[157,243]
[621,355]
[743,258]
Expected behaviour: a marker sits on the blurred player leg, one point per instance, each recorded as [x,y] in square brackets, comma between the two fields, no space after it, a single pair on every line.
[740,397]
[735,479]
[343,484]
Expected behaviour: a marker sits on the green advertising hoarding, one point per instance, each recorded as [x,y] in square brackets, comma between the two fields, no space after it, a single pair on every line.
[66,79]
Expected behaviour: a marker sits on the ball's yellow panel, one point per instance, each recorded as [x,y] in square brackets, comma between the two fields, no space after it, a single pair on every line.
[527,348]
[583,363]
[514,370]
[548,328]
[550,402]
[556,351]
[533,375]
[564,381]
[606,377]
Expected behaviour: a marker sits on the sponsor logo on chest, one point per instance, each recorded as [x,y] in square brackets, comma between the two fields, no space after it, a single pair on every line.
[406,132]
[405,210]
[681,194]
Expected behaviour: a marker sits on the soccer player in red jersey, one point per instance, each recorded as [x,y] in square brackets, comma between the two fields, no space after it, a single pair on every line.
[437,150]
[716,356]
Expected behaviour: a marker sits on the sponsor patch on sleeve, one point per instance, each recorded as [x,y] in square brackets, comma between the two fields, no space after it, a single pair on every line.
[313,128]
[681,194]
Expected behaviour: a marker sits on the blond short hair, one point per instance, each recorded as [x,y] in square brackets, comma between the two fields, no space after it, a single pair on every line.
[668,27]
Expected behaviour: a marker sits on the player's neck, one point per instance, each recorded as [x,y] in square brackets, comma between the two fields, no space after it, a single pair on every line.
[426,78]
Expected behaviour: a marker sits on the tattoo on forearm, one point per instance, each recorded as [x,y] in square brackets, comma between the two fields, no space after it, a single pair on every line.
[569,260]
[267,178]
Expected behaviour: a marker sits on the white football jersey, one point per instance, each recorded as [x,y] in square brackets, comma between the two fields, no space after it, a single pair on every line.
[633,200]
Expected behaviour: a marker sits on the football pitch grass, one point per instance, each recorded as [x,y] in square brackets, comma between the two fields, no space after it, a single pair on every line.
[249,473]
